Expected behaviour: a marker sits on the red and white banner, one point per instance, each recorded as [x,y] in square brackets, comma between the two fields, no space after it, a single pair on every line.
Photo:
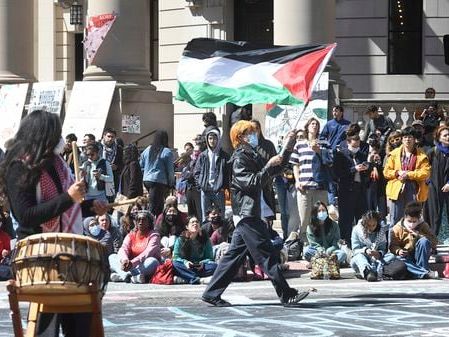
[97,28]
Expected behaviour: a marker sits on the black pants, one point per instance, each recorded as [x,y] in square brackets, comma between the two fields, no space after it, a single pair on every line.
[351,206]
[193,197]
[156,193]
[251,235]
[73,325]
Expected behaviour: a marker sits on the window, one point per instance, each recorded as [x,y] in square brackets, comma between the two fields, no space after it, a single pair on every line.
[405,37]
[154,40]
[79,57]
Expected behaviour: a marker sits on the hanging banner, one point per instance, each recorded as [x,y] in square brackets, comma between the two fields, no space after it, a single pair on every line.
[47,96]
[282,118]
[131,124]
[97,28]
[12,100]
[88,108]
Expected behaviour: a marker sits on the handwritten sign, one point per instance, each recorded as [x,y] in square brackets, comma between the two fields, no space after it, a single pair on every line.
[47,96]
[88,108]
[12,100]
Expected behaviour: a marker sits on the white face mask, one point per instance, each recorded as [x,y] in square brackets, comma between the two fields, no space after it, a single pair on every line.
[413,225]
[59,148]
[353,149]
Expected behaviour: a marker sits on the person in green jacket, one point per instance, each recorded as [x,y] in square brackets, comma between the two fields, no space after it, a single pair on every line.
[192,254]
[323,234]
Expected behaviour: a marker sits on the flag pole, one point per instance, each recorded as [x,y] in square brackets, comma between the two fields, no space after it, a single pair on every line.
[284,147]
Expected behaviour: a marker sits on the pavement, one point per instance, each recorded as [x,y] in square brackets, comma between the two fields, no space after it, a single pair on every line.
[345,307]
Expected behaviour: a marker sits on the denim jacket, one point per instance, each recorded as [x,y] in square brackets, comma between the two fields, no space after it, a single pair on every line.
[321,167]
[161,170]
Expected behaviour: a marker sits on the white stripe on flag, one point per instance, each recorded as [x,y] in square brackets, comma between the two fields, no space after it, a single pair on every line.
[227,73]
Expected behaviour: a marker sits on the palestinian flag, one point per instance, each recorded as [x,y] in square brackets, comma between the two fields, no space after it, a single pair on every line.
[213,72]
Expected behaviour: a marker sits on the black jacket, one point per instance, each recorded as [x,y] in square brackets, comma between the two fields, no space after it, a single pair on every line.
[266,150]
[249,177]
[344,168]
[221,174]
[131,180]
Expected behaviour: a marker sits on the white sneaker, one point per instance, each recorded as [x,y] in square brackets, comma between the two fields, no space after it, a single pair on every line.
[116,278]
[179,280]
[138,279]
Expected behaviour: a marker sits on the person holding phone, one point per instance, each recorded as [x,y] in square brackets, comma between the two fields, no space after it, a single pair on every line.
[352,171]
[192,255]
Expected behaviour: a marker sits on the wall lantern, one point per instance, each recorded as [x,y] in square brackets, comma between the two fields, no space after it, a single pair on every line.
[76,13]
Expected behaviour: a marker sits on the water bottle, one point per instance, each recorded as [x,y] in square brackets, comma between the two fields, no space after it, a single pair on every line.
[326,271]
[380,269]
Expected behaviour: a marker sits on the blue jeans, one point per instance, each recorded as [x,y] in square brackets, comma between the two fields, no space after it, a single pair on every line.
[361,262]
[311,251]
[418,263]
[397,206]
[282,189]
[146,268]
[209,198]
[192,276]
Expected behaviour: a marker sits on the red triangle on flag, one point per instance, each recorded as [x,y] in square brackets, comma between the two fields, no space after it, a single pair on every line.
[298,75]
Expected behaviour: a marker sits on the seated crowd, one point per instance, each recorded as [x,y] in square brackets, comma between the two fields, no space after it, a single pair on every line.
[373,199]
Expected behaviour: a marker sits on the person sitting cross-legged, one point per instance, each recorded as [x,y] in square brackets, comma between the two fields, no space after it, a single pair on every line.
[371,259]
[139,254]
[192,254]
[323,234]
[413,242]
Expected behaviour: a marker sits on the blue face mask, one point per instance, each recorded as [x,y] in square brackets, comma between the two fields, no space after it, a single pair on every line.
[322,215]
[253,140]
[94,230]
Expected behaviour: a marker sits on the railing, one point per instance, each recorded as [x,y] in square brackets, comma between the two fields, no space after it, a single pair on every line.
[401,111]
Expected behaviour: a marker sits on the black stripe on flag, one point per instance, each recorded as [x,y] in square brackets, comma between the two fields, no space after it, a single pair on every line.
[203,48]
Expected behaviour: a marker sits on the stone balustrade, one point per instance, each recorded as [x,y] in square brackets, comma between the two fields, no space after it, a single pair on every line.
[401,111]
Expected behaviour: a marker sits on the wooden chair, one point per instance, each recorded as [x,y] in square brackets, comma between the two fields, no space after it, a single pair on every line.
[57,302]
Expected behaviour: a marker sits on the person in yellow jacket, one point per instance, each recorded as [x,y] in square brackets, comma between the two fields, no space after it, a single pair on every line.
[407,171]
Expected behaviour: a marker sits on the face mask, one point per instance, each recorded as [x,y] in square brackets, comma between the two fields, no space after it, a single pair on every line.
[353,149]
[215,219]
[412,225]
[94,230]
[322,215]
[170,217]
[59,148]
[253,140]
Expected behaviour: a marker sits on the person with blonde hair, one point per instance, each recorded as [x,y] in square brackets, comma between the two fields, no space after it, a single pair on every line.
[251,234]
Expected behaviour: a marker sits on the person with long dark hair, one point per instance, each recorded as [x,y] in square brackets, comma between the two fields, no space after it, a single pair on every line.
[44,197]
[192,255]
[157,164]
[323,234]
[130,183]
[436,208]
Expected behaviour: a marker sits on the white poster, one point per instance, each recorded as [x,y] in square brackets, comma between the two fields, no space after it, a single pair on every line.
[282,118]
[47,96]
[131,124]
[88,108]
[12,100]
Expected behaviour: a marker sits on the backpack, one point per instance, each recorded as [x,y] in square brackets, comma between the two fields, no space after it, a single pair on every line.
[164,273]
[294,249]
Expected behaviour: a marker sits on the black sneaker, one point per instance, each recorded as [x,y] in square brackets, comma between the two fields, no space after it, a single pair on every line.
[294,299]
[433,274]
[216,301]
[371,277]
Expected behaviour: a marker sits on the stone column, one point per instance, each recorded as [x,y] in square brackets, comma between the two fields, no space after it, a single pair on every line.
[303,22]
[124,54]
[16,41]
[298,22]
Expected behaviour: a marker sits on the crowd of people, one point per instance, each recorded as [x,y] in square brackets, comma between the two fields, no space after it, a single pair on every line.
[374,197]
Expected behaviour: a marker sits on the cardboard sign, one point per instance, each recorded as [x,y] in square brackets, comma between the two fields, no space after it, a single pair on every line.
[88,108]
[47,96]
[12,100]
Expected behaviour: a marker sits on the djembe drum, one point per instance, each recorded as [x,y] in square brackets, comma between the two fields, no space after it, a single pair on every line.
[59,272]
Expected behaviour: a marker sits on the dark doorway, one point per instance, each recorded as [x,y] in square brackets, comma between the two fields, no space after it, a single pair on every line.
[253,21]
[79,57]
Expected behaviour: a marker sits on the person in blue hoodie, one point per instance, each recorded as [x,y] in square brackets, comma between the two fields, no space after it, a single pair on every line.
[158,169]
